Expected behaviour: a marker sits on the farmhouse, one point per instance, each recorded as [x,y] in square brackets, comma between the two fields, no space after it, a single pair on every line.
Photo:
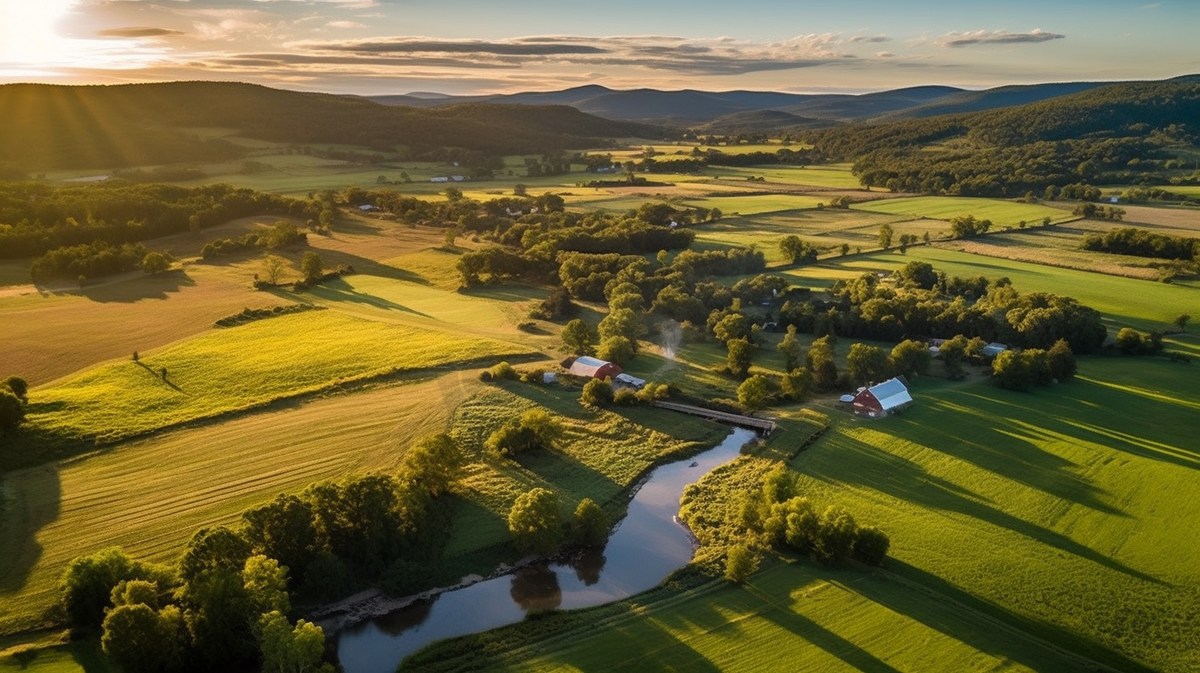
[882,399]
[593,368]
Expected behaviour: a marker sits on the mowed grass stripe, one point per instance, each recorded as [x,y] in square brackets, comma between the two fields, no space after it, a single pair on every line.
[151,495]
[243,367]
[1001,213]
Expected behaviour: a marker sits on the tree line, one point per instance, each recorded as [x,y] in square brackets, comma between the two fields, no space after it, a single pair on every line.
[36,218]
[1143,243]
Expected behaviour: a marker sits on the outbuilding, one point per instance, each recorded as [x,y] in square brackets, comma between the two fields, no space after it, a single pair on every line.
[882,399]
[593,368]
[627,381]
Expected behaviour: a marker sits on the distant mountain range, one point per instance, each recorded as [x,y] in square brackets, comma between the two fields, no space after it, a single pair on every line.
[744,110]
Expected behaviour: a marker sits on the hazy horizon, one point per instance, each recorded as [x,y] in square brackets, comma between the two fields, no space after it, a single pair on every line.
[375,47]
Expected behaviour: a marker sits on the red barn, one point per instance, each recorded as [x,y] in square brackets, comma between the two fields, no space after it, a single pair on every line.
[880,400]
[593,368]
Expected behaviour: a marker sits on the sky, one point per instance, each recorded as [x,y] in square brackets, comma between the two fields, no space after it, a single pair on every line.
[486,47]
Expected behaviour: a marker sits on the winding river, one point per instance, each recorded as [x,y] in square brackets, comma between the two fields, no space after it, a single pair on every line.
[647,546]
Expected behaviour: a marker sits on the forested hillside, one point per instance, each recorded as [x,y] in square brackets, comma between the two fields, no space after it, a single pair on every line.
[1116,134]
[131,125]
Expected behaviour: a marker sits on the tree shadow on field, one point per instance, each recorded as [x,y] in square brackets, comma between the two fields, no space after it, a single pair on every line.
[137,288]
[908,481]
[30,499]
[938,608]
[656,651]
[1001,444]
[341,292]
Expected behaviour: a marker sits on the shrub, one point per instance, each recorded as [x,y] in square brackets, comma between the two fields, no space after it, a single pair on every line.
[596,394]
[871,546]
[625,397]
[501,371]
[534,521]
[590,526]
[740,564]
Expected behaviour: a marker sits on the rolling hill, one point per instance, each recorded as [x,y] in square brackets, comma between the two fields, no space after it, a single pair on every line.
[51,126]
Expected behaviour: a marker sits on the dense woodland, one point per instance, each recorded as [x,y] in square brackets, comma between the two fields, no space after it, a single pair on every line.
[1118,134]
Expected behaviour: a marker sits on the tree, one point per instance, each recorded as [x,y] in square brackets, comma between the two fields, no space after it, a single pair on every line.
[578,337]
[866,364]
[433,464]
[87,584]
[453,194]
[797,251]
[283,529]
[311,266]
[918,274]
[266,583]
[796,384]
[836,535]
[885,235]
[272,268]
[616,349]
[590,525]
[325,219]
[791,349]
[732,326]
[132,638]
[596,394]
[821,363]
[1129,340]
[622,322]
[216,548]
[910,357]
[740,563]
[1061,361]
[520,190]
[155,263]
[740,353]
[12,412]
[18,386]
[288,649]
[754,393]
[534,521]
[871,546]
[1181,321]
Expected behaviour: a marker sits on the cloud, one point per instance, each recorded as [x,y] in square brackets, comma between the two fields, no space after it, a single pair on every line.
[701,56]
[345,24]
[138,32]
[884,54]
[428,46]
[869,38]
[974,37]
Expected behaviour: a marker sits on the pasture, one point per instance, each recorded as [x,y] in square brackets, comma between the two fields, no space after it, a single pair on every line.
[1001,213]
[150,495]
[243,367]
[1030,531]
[789,617]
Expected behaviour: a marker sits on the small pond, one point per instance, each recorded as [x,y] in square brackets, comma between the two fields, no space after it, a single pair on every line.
[647,546]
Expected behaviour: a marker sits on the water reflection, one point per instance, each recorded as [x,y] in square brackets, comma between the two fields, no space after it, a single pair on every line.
[536,589]
[646,547]
[587,565]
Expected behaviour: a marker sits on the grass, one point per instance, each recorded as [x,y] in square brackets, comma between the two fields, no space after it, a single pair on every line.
[1048,509]
[243,367]
[150,495]
[76,657]
[1030,531]
[826,176]
[790,617]
[758,203]
[1001,213]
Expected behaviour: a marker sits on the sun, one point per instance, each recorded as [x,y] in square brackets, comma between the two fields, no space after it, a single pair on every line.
[28,35]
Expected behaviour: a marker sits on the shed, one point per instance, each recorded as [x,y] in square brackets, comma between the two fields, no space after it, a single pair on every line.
[993,349]
[593,368]
[627,381]
[882,399]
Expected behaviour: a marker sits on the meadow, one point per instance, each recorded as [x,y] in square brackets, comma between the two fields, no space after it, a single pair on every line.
[1030,531]
[1001,213]
[244,367]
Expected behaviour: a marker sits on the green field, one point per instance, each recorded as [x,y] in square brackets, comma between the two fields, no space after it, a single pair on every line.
[244,367]
[1030,531]
[758,204]
[1001,213]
